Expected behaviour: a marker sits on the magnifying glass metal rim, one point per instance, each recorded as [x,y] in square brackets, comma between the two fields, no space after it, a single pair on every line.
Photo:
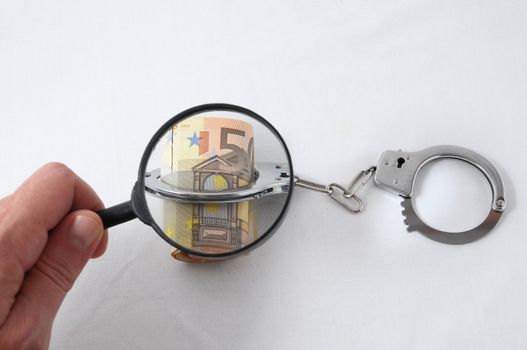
[140,206]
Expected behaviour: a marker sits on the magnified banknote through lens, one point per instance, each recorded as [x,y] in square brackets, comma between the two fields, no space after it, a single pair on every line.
[216,182]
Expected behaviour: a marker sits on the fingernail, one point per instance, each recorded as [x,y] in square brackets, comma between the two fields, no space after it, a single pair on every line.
[84,231]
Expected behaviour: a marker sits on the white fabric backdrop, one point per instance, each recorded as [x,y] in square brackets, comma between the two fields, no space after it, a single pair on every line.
[88,83]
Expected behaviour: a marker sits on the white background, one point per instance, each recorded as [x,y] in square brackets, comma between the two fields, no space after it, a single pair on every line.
[88,83]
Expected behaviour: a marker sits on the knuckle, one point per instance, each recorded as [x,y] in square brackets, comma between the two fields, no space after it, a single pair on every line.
[58,168]
[56,271]
[11,275]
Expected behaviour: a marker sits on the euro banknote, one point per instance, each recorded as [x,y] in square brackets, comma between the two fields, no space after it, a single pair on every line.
[209,154]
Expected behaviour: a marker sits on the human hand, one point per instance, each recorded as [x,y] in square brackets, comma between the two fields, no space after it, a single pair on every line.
[48,232]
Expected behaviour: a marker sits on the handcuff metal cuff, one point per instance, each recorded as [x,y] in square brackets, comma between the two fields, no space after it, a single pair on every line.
[396,172]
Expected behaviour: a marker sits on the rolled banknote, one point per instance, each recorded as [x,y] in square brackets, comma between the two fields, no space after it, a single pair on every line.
[207,154]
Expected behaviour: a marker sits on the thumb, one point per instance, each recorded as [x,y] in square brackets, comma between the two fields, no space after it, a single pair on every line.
[69,247]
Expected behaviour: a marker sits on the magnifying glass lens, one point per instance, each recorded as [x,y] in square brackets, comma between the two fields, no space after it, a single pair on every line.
[216,182]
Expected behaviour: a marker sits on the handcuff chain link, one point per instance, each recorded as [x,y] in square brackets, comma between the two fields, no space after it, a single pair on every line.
[346,193]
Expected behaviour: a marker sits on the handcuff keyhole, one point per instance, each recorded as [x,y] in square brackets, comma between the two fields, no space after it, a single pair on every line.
[400,162]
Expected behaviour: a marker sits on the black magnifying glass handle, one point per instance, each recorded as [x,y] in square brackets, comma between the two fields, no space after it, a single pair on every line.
[116,215]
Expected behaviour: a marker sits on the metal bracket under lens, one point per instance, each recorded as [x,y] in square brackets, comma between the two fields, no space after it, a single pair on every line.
[270,179]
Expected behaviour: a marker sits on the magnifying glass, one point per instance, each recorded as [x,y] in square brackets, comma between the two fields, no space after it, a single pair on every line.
[215,181]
